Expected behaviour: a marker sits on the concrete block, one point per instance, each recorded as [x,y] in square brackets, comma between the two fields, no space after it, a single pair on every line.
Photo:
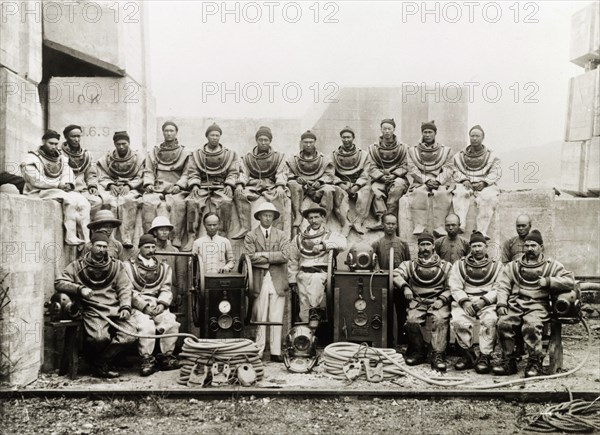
[102,105]
[580,167]
[109,35]
[21,39]
[447,106]
[21,120]
[577,234]
[31,238]
[583,113]
[585,35]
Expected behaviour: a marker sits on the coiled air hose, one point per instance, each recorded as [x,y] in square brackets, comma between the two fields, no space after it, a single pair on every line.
[234,351]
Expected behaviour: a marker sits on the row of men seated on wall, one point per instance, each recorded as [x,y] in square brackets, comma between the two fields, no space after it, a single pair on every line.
[503,295]
[171,181]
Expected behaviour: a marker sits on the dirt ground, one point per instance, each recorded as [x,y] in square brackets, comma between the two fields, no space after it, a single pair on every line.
[273,412]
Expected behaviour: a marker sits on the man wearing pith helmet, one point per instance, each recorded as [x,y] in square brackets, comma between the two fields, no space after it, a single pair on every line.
[268,248]
[162,230]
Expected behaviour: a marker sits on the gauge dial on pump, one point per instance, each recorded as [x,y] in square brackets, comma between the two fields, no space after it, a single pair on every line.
[360,304]
[224,307]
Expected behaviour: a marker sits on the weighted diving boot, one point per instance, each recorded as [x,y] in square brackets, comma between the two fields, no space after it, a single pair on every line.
[483,364]
[417,349]
[167,361]
[467,360]
[507,367]
[438,362]
[534,366]
[148,365]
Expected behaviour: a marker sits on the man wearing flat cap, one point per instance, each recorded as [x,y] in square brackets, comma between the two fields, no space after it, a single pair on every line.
[165,182]
[268,248]
[430,172]
[307,268]
[80,161]
[424,284]
[120,174]
[102,285]
[262,174]
[471,284]
[311,174]
[152,296]
[524,289]
[48,175]
[212,172]
[476,172]
[352,181]
[386,167]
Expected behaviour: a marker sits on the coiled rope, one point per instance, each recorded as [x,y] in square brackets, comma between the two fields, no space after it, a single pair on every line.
[337,354]
[572,416]
[234,351]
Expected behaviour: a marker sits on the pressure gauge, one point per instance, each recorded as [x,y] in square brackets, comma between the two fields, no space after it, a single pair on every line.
[360,304]
[224,307]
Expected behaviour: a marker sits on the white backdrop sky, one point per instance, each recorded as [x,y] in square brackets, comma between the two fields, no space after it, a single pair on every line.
[372,44]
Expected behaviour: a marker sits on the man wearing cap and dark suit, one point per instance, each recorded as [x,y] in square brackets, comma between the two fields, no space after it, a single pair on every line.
[424,283]
[524,289]
[307,268]
[48,175]
[80,161]
[386,167]
[268,248]
[476,172]
[120,174]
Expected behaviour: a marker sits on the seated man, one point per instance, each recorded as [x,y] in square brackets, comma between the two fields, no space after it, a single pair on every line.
[152,296]
[103,286]
[48,175]
[471,280]
[387,167]
[215,252]
[120,174]
[165,180]
[212,172]
[351,181]
[423,282]
[268,249]
[307,267]
[430,170]
[524,289]
[262,173]
[161,229]
[311,174]
[80,161]
[476,172]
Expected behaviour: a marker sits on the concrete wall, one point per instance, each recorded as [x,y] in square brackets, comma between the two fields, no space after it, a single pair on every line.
[32,253]
[109,35]
[21,120]
[21,40]
[364,108]
[102,105]
[238,134]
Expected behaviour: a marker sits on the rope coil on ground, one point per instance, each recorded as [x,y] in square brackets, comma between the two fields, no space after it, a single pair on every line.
[234,351]
[573,416]
[337,354]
